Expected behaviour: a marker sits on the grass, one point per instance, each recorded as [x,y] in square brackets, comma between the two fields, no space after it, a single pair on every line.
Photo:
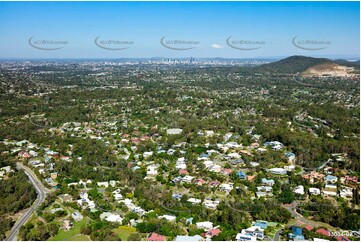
[65,235]
[80,238]
[122,233]
[272,229]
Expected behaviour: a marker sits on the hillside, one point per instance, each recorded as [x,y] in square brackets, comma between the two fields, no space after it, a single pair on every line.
[343,62]
[329,69]
[292,65]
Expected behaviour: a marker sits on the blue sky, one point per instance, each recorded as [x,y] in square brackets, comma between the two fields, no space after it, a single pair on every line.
[207,23]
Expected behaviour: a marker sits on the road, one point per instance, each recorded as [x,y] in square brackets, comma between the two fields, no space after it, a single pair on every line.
[277,235]
[42,193]
[292,209]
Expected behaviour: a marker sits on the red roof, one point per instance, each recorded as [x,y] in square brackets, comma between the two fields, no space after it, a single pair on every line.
[136,140]
[199,181]
[183,172]
[213,232]
[227,171]
[308,227]
[342,238]
[323,231]
[352,178]
[156,237]
[24,154]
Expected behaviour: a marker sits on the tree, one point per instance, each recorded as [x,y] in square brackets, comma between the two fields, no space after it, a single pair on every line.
[286,196]
[134,237]
[53,229]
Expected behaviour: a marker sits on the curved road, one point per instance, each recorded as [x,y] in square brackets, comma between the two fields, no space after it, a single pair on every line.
[42,193]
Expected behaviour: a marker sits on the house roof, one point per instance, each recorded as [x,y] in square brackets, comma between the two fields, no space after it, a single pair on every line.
[183,172]
[297,231]
[342,238]
[323,231]
[213,232]
[156,237]
[188,238]
[308,227]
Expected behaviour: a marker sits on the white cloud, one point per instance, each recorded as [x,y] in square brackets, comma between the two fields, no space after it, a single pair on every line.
[217,46]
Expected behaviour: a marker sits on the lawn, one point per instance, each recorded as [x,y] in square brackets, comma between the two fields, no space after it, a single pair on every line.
[65,235]
[80,238]
[123,234]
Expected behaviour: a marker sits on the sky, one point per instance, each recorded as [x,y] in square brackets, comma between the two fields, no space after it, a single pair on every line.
[253,29]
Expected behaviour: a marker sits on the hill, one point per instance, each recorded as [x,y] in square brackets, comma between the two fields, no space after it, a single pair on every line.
[291,65]
[348,63]
[309,66]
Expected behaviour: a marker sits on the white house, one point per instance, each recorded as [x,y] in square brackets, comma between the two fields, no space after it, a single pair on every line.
[314,191]
[181,164]
[6,168]
[117,195]
[77,216]
[111,217]
[264,189]
[346,192]
[209,133]
[205,225]
[194,200]
[103,184]
[147,154]
[329,192]
[113,183]
[226,187]
[299,190]
[278,171]
[245,237]
[187,179]
[174,131]
[152,170]
[251,234]
[168,217]
[210,204]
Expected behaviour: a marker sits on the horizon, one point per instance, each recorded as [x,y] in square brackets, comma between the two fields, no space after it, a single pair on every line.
[275,58]
[228,30]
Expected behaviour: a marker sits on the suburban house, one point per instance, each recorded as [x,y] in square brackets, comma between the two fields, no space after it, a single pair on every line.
[278,171]
[346,192]
[251,234]
[156,237]
[226,187]
[331,179]
[187,179]
[168,217]
[299,190]
[205,225]
[210,204]
[267,182]
[323,232]
[296,234]
[313,176]
[314,191]
[77,216]
[188,238]
[114,218]
[241,175]
[213,232]
[194,200]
